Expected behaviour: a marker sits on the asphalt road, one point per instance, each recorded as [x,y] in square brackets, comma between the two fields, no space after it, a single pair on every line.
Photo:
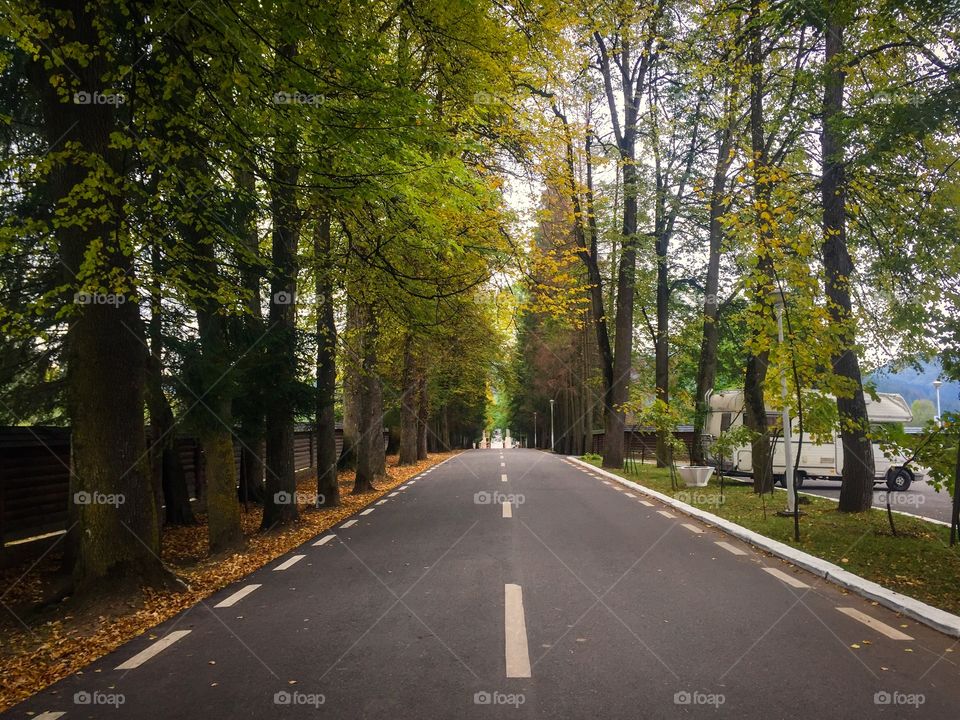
[921,499]
[576,601]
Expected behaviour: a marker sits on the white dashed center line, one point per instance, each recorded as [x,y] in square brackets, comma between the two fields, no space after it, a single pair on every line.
[348,523]
[289,563]
[630,495]
[367,511]
[647,503]
[393,494]
[503,478]
[237,596]
[380,502]
[730,548]
[515,633]
[882,628]
[666,513]
[692,528]
[158,647]
[507,509]
[324,540]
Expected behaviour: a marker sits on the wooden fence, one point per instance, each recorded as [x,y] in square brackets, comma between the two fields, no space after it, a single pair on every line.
[35,474]
[641,443]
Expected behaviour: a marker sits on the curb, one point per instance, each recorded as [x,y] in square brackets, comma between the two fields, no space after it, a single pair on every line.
[935,618]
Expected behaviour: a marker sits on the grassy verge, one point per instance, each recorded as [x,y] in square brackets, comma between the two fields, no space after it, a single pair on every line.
[917,562]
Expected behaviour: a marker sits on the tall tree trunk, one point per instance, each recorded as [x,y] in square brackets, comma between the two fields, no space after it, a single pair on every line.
[114,536]
[423,413]
[351,385]
[248,406]
[279,507]
[369,435]
[328,489]
[707,365]
[168,469]
[856,490]
[408,406]
[755,415]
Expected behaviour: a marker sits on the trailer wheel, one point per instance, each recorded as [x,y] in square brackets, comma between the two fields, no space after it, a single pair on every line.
[799,478]
[899,478]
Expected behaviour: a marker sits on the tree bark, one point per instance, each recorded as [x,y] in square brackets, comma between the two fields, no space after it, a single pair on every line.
[248,407]
[755,415]
[279,507]
[856,490]
[423,413]
[707,365]
[408,407]
[114,536]
[369,433]
[328,489]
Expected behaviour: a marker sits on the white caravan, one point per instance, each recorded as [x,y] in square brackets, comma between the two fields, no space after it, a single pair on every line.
[817,460]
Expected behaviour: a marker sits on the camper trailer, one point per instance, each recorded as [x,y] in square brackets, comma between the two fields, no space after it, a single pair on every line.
[817,460]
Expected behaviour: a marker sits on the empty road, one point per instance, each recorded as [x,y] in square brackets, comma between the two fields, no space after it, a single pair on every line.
[514,583]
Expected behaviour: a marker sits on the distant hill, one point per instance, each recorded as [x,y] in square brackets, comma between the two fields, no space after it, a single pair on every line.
[913,385]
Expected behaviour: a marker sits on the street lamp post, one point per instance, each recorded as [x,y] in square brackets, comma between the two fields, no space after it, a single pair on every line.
[552,448]
[936,387]
[779,301]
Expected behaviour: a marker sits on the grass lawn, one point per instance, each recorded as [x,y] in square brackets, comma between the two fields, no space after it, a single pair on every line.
[917,562]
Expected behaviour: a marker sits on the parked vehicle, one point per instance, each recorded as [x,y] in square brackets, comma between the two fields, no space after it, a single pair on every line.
[821,460]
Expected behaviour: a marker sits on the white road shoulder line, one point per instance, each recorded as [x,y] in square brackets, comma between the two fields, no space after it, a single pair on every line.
[159,646]
[786,577]
[515,633]
[730,548]
[645,502]
[324,540]
[882,628]
[665,513]
[630,495]
[50,715]
[289,563]
[237,596]
[381,502]
[692,528]
[367,511]
[507,509]
[607,482]
[393,494]
[348,523]
[503,478]
[503,464]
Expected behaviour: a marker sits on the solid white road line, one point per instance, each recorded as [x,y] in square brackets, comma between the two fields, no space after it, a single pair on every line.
[647,503]
[237,596]
[729,548]
[393,494]
[324,540]
[515,633]
[159,646]
[692,528]
[786,577]
[666,514]
[348,523]
[367,511]
[291,562]
[882,628]
[503,478]
[507,509]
